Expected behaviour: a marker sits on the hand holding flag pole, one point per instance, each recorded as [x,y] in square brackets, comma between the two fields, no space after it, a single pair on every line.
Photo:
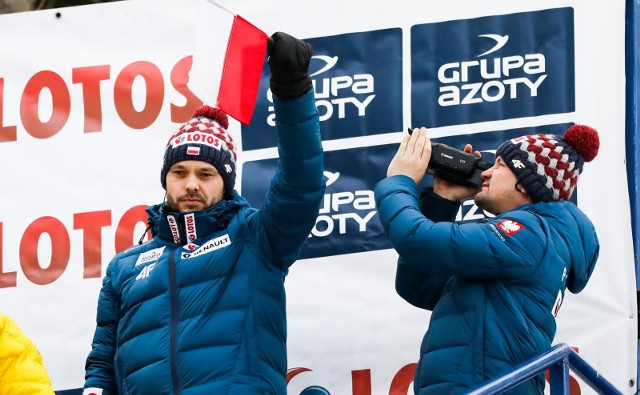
[289,60]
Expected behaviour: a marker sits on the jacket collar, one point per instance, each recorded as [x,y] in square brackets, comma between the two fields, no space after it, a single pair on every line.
[183,228]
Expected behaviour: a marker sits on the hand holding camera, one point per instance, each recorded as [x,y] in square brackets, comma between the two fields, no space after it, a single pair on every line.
[456,166]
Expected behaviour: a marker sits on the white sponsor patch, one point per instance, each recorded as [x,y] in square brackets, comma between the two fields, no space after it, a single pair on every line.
[92,391]
[173,225]
[150,256]
[198,138]
[211,245]
[190,226]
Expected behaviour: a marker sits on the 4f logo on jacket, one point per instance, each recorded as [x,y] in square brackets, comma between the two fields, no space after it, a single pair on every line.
[146,271]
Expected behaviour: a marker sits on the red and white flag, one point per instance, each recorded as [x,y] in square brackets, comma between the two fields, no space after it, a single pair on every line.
[227,61]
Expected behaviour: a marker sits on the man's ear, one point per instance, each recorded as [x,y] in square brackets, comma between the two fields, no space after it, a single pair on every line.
[521,189]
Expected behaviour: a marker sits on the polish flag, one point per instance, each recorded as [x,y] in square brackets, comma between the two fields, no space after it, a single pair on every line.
[193,150]
[227,61]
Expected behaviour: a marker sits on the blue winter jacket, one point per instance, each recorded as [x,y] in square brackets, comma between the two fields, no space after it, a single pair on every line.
[494,287]
[209,317]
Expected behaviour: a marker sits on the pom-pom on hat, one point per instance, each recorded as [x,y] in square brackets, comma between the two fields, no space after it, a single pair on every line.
[204,138]
[548,166]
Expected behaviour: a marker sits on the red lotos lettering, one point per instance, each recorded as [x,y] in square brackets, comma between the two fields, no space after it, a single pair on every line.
[123,96]
[92,224]
[125,236]
[403,379]
[60,250]
[179,79]
[7,133]
[90,78]
[361,379]
[361,382]
[7,279]
[30,102]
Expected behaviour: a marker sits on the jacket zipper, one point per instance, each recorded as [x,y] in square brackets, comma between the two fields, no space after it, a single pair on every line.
[174,321]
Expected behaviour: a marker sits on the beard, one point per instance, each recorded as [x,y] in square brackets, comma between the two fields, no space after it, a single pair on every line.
[483,201]
[174,204]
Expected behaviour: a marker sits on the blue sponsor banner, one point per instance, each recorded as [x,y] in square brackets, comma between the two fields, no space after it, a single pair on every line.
[348,219]
[493,68]
[357,79]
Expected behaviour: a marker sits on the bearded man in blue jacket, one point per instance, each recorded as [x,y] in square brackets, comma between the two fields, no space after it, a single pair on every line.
[200,308]
[494,288]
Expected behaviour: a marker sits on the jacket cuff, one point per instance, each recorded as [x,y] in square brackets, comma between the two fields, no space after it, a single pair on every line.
[294,111]
[437,208]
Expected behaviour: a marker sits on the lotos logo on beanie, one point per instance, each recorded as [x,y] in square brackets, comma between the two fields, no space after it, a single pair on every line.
[204,138]
[548,166]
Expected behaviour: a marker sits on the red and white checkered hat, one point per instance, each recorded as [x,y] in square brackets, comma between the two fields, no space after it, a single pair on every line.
[204,138]
[548,166]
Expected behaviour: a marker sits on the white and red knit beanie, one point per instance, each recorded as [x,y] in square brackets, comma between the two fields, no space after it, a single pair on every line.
[204,138]
[548,166]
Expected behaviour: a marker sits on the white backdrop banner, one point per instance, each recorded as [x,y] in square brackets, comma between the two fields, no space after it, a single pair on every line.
[89,96]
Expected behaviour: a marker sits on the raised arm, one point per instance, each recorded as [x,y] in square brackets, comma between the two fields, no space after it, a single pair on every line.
[293,200]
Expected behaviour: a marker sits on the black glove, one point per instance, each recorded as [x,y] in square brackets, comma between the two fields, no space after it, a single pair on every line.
[288,61]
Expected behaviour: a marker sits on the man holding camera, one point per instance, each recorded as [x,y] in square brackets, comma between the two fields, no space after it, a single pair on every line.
[494,288]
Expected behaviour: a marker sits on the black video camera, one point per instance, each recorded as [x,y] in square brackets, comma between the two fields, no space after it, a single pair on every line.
[456,166]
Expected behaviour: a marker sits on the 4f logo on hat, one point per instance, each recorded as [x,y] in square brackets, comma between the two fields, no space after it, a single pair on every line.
[510,227]
[517,164]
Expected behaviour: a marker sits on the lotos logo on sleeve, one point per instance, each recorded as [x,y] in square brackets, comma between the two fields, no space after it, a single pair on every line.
[510,227]
[92,391]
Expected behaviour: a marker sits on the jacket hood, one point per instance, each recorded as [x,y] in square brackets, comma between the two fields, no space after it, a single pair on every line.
[573,227]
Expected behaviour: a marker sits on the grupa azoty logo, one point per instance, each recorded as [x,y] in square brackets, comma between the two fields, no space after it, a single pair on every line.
[344,210]
[493,68]
[491,78]
[357,84]
[347,214]
[339,95]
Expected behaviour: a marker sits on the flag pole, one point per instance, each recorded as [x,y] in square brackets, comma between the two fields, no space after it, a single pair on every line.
[217,4]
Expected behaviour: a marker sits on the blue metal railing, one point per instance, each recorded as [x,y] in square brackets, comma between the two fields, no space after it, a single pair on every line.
[558,360]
